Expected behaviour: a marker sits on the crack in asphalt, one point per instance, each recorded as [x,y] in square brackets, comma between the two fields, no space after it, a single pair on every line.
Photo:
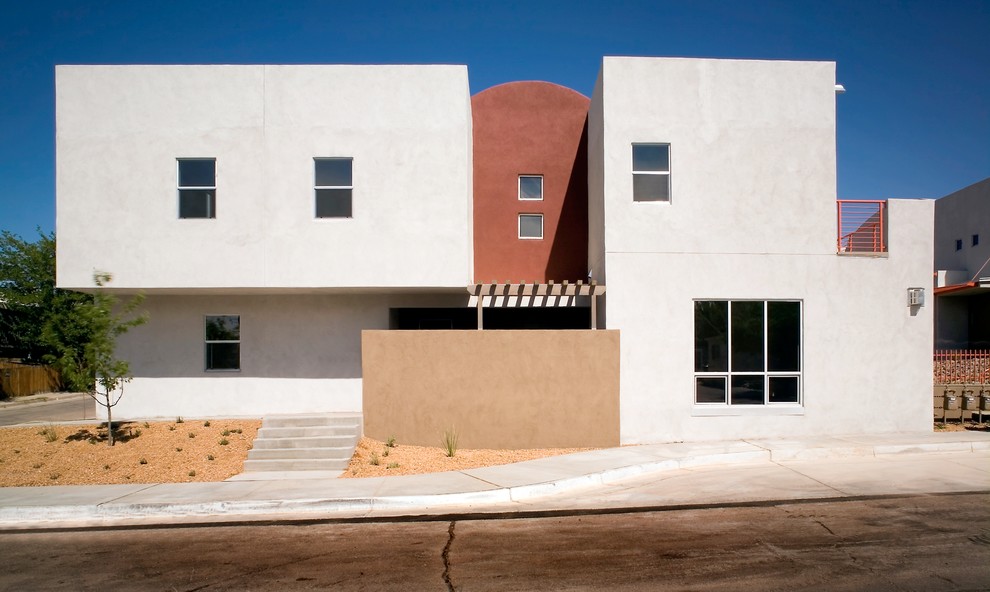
[445,555]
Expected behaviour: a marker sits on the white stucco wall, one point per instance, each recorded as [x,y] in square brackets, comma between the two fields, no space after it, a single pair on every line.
[121,128]
[299,353]
[958,216]
[752,216]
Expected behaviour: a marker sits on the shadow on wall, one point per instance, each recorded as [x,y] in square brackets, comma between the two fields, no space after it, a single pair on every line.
[568,255]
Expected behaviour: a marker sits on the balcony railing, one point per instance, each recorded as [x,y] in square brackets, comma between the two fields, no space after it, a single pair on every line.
[862,226]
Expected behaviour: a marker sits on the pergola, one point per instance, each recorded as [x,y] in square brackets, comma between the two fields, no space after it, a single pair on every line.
[535,290]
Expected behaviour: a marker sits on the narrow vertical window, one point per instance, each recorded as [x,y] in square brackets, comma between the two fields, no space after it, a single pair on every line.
[531,226]
[959,244]
[651,172]
[333,187]
[197,187]
[976,239]
[223,342]
[530,187]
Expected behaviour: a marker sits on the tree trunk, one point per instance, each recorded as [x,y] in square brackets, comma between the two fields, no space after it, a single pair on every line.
[109,421]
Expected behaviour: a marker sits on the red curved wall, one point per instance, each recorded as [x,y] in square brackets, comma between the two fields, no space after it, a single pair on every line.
[530,128]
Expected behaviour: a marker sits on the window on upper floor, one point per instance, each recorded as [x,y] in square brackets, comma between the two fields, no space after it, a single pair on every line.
[530,187]
[976,239]
[333,187]
[223,342]
[531,226]
[747,352]
[651,172]
[959,244]
[197,187]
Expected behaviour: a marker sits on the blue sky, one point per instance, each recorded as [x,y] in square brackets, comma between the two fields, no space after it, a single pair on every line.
[915,121]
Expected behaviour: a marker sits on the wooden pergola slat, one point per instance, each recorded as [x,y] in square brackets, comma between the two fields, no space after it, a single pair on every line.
[535,289]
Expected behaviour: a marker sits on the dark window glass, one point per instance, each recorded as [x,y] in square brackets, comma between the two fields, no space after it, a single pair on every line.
[783,389]
[710,389]
[747,390]
[711,336]
[223,356]
[198,172]
[747,336]
[959,244]
[333,203]
[530,226]
[784,336]
[333,172]
[651,187]
[223,328]
[197,203]
[976,239]
[651,157]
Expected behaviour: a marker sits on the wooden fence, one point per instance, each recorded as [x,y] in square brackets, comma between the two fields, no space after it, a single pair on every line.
[19,380]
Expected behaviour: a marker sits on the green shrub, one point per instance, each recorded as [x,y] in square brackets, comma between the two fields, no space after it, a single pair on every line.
[49,433]
[224,441]
[374,459]
[390,443]
[450,442]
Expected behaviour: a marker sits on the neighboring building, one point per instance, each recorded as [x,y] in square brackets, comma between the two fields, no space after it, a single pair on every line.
[962,268]
[286,221]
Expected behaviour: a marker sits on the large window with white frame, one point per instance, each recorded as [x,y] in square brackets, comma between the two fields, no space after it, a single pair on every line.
[530,187]
[651,172]
[223,342]
[747,352]
[333,187]
[196,180]
[531,226]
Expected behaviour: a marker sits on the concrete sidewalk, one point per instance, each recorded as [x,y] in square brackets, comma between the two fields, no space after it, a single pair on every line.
[658,475]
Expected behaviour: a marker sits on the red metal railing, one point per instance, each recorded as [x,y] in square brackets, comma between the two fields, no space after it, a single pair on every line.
[862,226]
[962,366]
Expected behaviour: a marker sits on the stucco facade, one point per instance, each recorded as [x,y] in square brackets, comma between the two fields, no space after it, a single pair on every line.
[683,184]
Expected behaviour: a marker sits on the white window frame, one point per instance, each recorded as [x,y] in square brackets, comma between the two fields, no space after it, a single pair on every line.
[656,173]
[519,227]
[318,187]
[207,342]
[766,373]
[519,187]
[212,211]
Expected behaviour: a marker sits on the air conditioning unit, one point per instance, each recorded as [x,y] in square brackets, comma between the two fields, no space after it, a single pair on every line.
[916,296]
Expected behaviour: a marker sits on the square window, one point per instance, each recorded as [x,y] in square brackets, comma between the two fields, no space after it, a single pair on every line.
[530,187]
[651,172]
[751,346]
[223,342]
[197,187]
[531,226]
[333,187]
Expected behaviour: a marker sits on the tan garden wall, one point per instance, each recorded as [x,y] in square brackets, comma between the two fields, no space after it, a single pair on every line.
[497,389]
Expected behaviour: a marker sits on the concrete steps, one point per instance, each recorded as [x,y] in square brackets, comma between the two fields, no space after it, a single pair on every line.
[311,442]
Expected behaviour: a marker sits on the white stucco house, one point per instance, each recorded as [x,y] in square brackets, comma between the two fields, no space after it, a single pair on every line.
[282,218]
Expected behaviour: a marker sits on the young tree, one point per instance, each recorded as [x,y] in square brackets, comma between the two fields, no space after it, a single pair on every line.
[103,318]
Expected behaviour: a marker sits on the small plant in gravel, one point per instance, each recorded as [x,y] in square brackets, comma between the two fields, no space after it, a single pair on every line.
[374,459]
[179,420]
[225,433]
[37,465]
[106,467]
[49,433]
[171,428]
[54,476]
[224,441]
[385,451]
[390,443]
[146,425]
[16,451]
[449,442]
[192,434]
[238,431]
[134,433]
[143,461]
[209,457]
[92,440]
[939,426]
[392,465]
[206,423]
[177,449]
[192,473]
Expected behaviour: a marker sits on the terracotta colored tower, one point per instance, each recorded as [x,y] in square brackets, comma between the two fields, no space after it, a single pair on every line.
[530,183]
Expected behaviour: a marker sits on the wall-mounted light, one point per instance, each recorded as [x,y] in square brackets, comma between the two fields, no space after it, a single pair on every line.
[916,296]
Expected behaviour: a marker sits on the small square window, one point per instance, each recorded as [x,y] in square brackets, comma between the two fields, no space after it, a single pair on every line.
[530,187]
[959,244]
[197,187]
[651,172]
[333,187]
[531,226]
[976,239]
[223,342]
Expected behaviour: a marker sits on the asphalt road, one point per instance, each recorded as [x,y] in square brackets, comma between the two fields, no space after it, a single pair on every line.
[75,409]
[926,542]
